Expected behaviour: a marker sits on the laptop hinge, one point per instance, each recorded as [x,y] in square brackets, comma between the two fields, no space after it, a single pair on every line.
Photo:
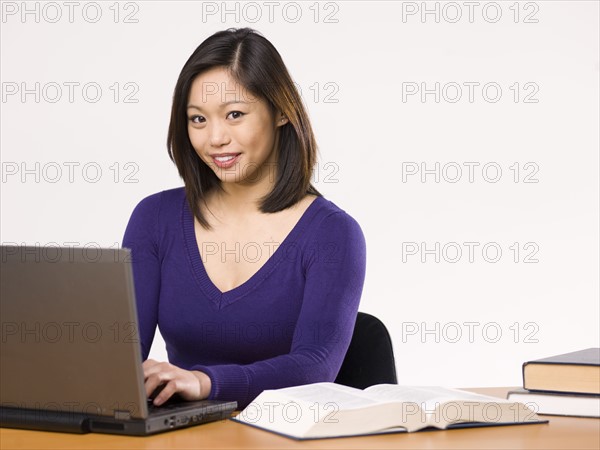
[122,415]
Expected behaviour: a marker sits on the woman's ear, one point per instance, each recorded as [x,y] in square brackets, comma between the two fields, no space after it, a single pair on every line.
[281,119]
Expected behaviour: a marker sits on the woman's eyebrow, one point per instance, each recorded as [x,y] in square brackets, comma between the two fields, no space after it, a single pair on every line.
[222,105]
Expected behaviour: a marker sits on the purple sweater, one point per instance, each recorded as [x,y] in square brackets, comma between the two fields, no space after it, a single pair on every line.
[289,324]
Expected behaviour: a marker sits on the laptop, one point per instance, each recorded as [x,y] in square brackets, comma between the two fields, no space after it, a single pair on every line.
[70,357]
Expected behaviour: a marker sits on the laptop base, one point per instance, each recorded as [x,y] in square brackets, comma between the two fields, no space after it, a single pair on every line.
[194,413]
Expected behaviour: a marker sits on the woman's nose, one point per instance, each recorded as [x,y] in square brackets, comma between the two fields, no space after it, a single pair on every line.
[218,135]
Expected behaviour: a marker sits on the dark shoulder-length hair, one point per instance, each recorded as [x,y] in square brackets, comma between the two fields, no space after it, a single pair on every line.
[257,66]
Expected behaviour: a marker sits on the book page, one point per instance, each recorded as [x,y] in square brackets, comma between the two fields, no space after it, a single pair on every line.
[343,397]
[425,396]
[442,406]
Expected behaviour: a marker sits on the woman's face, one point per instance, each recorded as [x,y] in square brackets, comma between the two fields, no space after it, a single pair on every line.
[232,131]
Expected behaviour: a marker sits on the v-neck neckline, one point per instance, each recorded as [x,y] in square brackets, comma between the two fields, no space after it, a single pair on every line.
[221,299]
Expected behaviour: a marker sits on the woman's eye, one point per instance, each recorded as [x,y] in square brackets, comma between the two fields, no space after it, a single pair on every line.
[196,119]
[236,114]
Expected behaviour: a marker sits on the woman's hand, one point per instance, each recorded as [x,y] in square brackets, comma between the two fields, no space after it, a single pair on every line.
[189,384]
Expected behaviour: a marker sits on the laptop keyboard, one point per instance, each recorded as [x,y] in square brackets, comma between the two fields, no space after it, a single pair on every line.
[175,401]
[168,405]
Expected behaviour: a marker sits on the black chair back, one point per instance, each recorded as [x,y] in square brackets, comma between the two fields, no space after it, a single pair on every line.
[370,357]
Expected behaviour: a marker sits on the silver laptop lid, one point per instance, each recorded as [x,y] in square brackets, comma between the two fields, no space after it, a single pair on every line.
[69,331]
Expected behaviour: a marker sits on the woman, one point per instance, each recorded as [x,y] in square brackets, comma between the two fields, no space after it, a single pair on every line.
[252,276]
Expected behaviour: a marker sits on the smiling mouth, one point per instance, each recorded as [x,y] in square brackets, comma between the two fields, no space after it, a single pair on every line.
[225,160]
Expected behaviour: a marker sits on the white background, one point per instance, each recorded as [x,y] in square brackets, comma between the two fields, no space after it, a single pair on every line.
[368,136]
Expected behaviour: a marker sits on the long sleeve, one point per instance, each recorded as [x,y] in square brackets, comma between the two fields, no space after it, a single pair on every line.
[334,265]
[141,236]
[289,324]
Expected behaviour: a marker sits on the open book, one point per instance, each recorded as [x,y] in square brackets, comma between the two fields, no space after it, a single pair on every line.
[324,410]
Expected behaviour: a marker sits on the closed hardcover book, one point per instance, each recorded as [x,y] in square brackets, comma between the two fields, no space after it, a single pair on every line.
[558,404]
[575,372]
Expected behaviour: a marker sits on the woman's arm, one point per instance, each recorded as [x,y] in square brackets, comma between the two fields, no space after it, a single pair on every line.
[141,236]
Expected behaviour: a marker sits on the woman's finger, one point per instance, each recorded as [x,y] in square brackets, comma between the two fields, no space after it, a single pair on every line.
[156,377]
[166,393]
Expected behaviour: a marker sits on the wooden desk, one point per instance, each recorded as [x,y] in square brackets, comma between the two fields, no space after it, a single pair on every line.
[560,433]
